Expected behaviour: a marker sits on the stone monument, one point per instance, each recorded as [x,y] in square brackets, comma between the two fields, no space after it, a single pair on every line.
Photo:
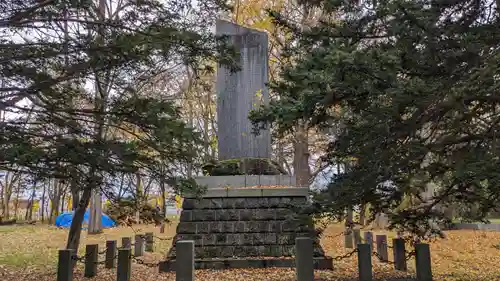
[240,92]
[235,225]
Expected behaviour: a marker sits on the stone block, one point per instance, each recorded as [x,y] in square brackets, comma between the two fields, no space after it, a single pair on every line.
[184,270]
[216,203]
[292,225]
[286,214]
[286,238]
[227,215]
[365,262]
[382,253]
[304,259]
[186,215]
[264,214]
[189,203]
[423,262]
[111,252]
[270,238]
[124,267]
[288,250]
[228,226]
[202,227]
[298,201]
[285,202]
[91,259]
[247,238]
[399,252]
[274,202]
[273,226]
[244,192]
[209,240]
[240,203]
[187,227]
[65,265]
[246,214]
[204,215]
[240,226]
[285,192]
[215,227]
[197,238]
[257,226]
[255,202]
[258,251]
[235,239]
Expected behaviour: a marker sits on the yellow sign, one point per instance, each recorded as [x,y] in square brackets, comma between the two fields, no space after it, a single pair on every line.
[70,204]
[178,203]
[36,206]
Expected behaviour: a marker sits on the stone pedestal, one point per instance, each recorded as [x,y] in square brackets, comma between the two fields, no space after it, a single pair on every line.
[254,227]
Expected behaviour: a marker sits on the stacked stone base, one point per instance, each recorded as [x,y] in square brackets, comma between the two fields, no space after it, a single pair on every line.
[245,229]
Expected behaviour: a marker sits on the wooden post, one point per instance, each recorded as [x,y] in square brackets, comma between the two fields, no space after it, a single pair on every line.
[368,236]
[399,251]
[149,241]
[184,264]
[126,242]
[348,239]
[382,252]
[304,259]
[65,265]
[91,259]
[357,237]
[365,262]
[111,250]
[139,245]
[124,267]
[423,262]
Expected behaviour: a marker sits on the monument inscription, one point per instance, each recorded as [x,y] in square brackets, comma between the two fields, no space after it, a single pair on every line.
[240,92]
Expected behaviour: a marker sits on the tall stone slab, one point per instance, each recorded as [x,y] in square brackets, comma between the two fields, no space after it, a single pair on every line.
[241,91]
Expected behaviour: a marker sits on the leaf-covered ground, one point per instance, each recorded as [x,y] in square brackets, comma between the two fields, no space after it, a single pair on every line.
[30,253]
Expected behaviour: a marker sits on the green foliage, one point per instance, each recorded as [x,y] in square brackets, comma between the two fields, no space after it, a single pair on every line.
[71,130]
[417,85]
[243,166]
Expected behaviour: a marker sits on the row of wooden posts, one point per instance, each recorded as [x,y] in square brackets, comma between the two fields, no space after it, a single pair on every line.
[121,258]
[364,248]
[114,258]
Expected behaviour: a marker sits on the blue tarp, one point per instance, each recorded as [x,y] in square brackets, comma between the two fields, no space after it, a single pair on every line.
[65,219]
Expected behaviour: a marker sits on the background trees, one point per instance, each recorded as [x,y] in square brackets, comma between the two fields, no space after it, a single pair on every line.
[74,74]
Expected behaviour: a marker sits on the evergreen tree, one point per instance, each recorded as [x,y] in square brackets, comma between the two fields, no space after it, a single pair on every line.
[412,91]
[71,78]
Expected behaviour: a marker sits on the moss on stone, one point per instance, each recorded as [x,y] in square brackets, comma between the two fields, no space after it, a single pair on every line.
[243,166]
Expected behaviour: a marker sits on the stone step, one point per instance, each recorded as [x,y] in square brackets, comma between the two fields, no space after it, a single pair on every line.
[238,214]
[202,252]
[242,203]
[319,263]
[239,239]
[243,226]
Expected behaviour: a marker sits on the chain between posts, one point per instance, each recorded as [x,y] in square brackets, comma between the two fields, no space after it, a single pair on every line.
[142,262]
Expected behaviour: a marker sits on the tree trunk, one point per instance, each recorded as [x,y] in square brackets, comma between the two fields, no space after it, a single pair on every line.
[362,214]
[63,197]
[163,204]
[138,197]
[95,224]
[16,206]
[56,200]
[301,155]
[43,201]
[29,209]
[76,225]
